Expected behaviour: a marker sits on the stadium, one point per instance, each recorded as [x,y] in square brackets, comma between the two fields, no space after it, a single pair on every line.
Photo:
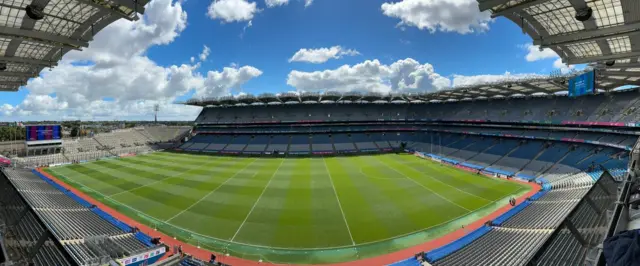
[537,170]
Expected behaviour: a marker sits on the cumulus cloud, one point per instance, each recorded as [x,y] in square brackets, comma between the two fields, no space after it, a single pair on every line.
[403,75]
[222,83]
[564,68]
[461,16]
[275,3]
[205,53]
[461,80]
[321,55]
[114,79]
[534,53]
[232,10]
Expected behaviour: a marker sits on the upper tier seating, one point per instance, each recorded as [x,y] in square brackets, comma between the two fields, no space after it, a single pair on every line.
[617,107]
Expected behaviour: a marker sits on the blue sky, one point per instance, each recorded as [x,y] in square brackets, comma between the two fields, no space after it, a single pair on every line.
[365,45]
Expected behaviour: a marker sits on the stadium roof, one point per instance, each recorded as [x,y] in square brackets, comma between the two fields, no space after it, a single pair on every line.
[509,87]
[602,32]
[35,34]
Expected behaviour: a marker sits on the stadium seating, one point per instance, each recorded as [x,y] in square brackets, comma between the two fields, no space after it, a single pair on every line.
[617,107]
[90,235]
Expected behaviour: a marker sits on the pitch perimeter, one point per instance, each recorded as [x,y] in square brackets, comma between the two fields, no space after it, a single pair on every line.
[333,208]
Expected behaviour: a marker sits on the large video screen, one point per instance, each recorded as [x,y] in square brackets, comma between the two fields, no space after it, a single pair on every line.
[45,132]
[582,85]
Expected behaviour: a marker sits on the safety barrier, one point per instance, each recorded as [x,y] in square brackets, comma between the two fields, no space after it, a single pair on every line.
[538,195]
[454,246]
[144,238]
[478,167]
[498,171]
[123,226]
[510,213]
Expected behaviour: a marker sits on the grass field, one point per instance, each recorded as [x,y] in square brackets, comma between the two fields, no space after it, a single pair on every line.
[250,206]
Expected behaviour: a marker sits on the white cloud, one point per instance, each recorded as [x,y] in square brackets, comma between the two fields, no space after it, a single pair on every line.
[371,75]
[275,3]
[205,53]
[321,55]
[308,3]
[232,10]
[460,16]
[564,68]
[461,80]
[113,78]
[222,83]
[534,53]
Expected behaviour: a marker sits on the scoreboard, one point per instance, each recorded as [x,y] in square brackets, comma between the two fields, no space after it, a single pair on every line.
[583,84]
[43,132]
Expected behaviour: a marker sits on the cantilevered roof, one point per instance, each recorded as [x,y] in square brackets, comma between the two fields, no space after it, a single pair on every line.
[509,87]
[580,31]
[35,34]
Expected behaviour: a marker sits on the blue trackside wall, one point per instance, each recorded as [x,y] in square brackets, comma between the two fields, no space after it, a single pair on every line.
[510,213]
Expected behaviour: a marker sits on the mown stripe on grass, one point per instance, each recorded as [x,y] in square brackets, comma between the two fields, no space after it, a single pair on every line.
[451,193]
[360,206]
[171,193]
[221,212]
[408,200]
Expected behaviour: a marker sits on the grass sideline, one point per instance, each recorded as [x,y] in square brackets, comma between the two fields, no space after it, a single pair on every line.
[300,210]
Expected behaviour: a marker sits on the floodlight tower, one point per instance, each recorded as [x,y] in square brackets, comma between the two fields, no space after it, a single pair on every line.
[156,109]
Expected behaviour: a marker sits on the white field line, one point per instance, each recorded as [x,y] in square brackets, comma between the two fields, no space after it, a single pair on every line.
[338,199]
[414,169]
[158,181]
[258,200]
[423,186]
[211,192]
[280,248]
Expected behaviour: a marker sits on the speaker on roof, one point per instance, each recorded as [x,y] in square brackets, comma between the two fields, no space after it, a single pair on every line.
[584,14]
[35,12]
[610,63]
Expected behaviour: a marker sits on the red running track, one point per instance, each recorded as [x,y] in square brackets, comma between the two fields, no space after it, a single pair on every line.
[378,260]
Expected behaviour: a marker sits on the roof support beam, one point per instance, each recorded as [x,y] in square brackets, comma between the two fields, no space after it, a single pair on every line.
[112,9]
[584,60]
[620,65]
[42,37]
[17,74]
[620,73]
[27,61]
[534,88]
[488,4]
[13,83]
[517,8]
[590,35]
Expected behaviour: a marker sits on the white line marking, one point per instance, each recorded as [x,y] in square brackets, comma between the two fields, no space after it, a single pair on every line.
[416,170]
[423,186]
[258,200]
[338,199]
[277,248]
[158,181]
[211,192]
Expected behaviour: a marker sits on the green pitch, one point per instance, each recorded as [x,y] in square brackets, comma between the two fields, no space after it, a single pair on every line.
[293,210]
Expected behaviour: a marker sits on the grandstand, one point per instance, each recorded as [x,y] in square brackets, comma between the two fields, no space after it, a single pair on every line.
[115,143]
[579,154]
